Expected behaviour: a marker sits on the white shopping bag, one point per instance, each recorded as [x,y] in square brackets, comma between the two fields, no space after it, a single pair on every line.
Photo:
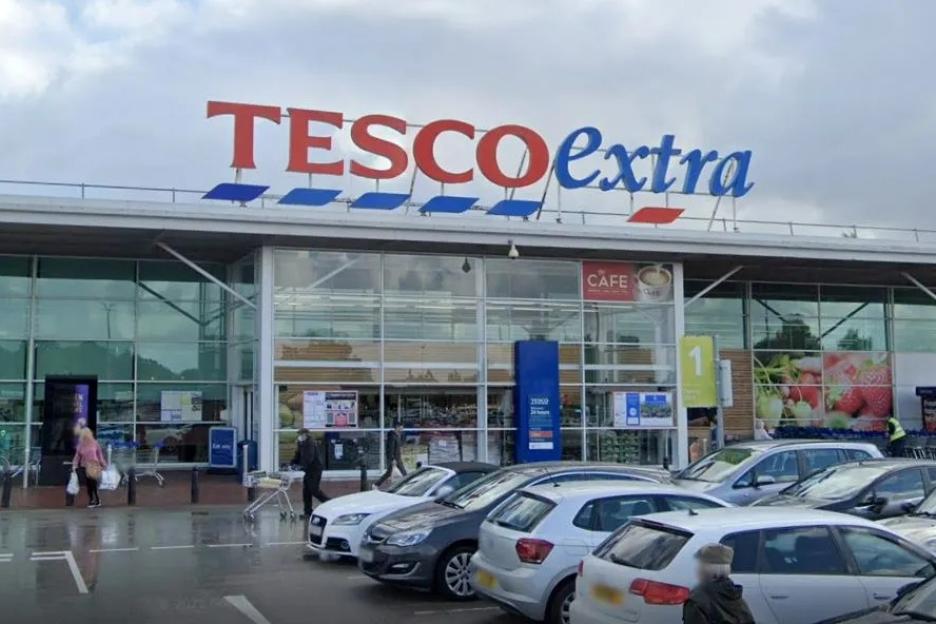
[110,479]
[72,487]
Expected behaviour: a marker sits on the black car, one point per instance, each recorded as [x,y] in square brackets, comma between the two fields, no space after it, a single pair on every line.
[873,489]
[429,546]
[915,603]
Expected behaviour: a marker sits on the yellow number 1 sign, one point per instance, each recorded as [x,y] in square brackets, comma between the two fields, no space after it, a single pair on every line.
[697,360]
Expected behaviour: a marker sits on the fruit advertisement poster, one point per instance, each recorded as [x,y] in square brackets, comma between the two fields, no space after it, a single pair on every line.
[835,390]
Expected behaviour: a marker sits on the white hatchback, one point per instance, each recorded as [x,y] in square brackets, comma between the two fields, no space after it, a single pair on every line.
[531,545]
[337,527]
[796,566]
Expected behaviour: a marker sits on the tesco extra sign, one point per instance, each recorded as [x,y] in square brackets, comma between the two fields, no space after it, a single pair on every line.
[597,162]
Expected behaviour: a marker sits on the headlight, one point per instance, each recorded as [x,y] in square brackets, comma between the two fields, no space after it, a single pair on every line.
[408,538]
[350,519]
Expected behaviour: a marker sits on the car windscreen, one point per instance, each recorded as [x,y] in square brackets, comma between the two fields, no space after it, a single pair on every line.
[718,466]
[521,512]
[836,483]
[644,546]
[488,490]
[928,506]
[419,483]
[919,602]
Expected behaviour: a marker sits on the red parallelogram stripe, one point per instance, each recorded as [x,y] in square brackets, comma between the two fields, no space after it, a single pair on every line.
[657,215]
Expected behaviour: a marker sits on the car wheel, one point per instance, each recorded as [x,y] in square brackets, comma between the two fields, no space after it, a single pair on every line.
[453,578]
[557,612]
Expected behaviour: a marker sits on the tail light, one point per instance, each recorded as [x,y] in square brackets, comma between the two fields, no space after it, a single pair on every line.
[581,568]
[655,593]
[533,550]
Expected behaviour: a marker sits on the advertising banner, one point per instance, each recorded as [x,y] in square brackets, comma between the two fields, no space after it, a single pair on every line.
[625,281]
[222,452]
[643,410]
[536,396]
[697,362]
[330,408]
[180,406]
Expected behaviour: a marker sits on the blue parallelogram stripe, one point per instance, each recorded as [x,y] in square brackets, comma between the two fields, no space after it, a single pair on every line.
[514,208]
[448,203]
[309,197]
[380,201]
[232,191]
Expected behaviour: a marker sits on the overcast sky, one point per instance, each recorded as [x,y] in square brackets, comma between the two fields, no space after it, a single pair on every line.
[836,99]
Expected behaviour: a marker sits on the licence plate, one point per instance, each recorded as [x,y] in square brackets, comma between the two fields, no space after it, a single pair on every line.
[316,531]
[603,593]
[367,556]
[486,579]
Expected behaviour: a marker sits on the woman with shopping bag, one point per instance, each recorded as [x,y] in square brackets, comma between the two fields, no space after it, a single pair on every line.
[90,460]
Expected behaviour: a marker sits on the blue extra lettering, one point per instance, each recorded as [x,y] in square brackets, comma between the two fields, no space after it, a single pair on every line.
[721,183]
[663,153]
[565,155]
[625,168]
[696,161]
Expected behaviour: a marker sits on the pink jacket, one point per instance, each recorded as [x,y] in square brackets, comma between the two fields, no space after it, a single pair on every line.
[88,453]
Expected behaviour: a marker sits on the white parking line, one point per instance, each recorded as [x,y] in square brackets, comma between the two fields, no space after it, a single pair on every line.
[228,545]
[283,544]
[6,557]
[68,558]
[176,547]
[243,605]
[107,550]
[357,577]
[453,611]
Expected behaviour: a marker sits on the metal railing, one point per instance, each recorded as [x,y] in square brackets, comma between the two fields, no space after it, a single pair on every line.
[173,195]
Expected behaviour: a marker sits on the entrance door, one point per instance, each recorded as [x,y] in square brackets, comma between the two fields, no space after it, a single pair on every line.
[70,405]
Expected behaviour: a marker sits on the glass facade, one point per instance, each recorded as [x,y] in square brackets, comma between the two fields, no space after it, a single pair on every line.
[428,341]
[142,327]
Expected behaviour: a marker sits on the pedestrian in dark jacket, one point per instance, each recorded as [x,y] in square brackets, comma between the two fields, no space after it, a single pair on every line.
[716,599]
[394,453]
[311,458]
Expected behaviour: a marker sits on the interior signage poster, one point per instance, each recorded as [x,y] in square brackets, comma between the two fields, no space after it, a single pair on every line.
[180,406]
[540,424]
[625,281]
[329,408]
[643,410]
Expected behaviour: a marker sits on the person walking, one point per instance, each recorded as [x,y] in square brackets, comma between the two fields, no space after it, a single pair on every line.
[311,458]
[394,453]
[716,599]
[89,460]
[896,437]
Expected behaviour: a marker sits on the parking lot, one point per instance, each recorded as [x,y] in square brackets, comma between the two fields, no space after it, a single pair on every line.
[202,565]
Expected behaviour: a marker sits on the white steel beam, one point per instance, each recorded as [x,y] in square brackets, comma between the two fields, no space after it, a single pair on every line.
[175,254]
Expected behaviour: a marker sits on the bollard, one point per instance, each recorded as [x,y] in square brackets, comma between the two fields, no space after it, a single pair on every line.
[194,485]
[131,486]
[363,466]
[7,490]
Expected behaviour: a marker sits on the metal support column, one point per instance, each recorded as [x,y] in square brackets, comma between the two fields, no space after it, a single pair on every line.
[266,390]
[192,265]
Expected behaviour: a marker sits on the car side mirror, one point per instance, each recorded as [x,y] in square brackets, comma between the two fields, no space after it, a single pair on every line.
[908,507]
[874,503]
[762,480]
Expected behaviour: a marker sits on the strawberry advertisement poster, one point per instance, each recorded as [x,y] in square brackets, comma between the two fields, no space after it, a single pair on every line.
[835,390]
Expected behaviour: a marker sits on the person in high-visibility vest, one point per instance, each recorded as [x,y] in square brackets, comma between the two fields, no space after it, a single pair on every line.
[896,437]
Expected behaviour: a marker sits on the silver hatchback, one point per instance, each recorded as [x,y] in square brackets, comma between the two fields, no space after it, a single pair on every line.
[744,473]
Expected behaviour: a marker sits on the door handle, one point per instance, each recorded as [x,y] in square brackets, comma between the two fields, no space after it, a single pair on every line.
[882,596]
[779,596]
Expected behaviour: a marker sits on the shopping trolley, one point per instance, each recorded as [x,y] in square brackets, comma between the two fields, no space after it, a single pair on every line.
[144,461]
[276,486]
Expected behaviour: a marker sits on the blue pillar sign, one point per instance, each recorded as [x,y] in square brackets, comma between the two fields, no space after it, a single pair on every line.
[536,363]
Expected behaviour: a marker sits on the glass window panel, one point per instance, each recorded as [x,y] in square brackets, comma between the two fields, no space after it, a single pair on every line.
[720,312]
[244,361]
[116,435]
[290,404]
[878,554]
[784,300]
[500,362]
[436,447]
[327,316]
[12,445]
[852,301]
[84,319]
[572,445]
[802,551]
[438,276]
[14,276]
[181,361]
[180,320]
[368,353]
[629,323]
[501,447]
[790,333]
[338,272]
[632,365]
[115,402]
[728,330]
[626,447]
[431,408]
[177,442]
[12,403]
[178,282]
[343,449]
[326,374]
[531,321]
[14,318]
[81,277]
[913,304]
[107,360]
[420,353]
[532,279]
[213,400]
[245,322]
[854,334]
[13,359]
[914,335]
[429,374]
[431,319]
[599,403]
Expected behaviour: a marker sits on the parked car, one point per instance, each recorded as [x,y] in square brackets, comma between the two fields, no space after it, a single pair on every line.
[744,473]
[429,546]
[875,489]
[916,603]
[796,566]
[337,526]
[918,526]
[531,545]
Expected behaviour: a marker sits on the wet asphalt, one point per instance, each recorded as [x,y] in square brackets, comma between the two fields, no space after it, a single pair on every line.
[201,565]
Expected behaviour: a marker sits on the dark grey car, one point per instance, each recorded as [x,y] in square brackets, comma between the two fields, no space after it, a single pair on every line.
[429,546]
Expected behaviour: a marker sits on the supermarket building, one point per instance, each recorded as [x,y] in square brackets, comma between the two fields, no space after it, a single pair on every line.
[191,313]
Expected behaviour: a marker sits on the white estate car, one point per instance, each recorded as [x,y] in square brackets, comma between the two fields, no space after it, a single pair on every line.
[796,566]
[336,527]
[531,545]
